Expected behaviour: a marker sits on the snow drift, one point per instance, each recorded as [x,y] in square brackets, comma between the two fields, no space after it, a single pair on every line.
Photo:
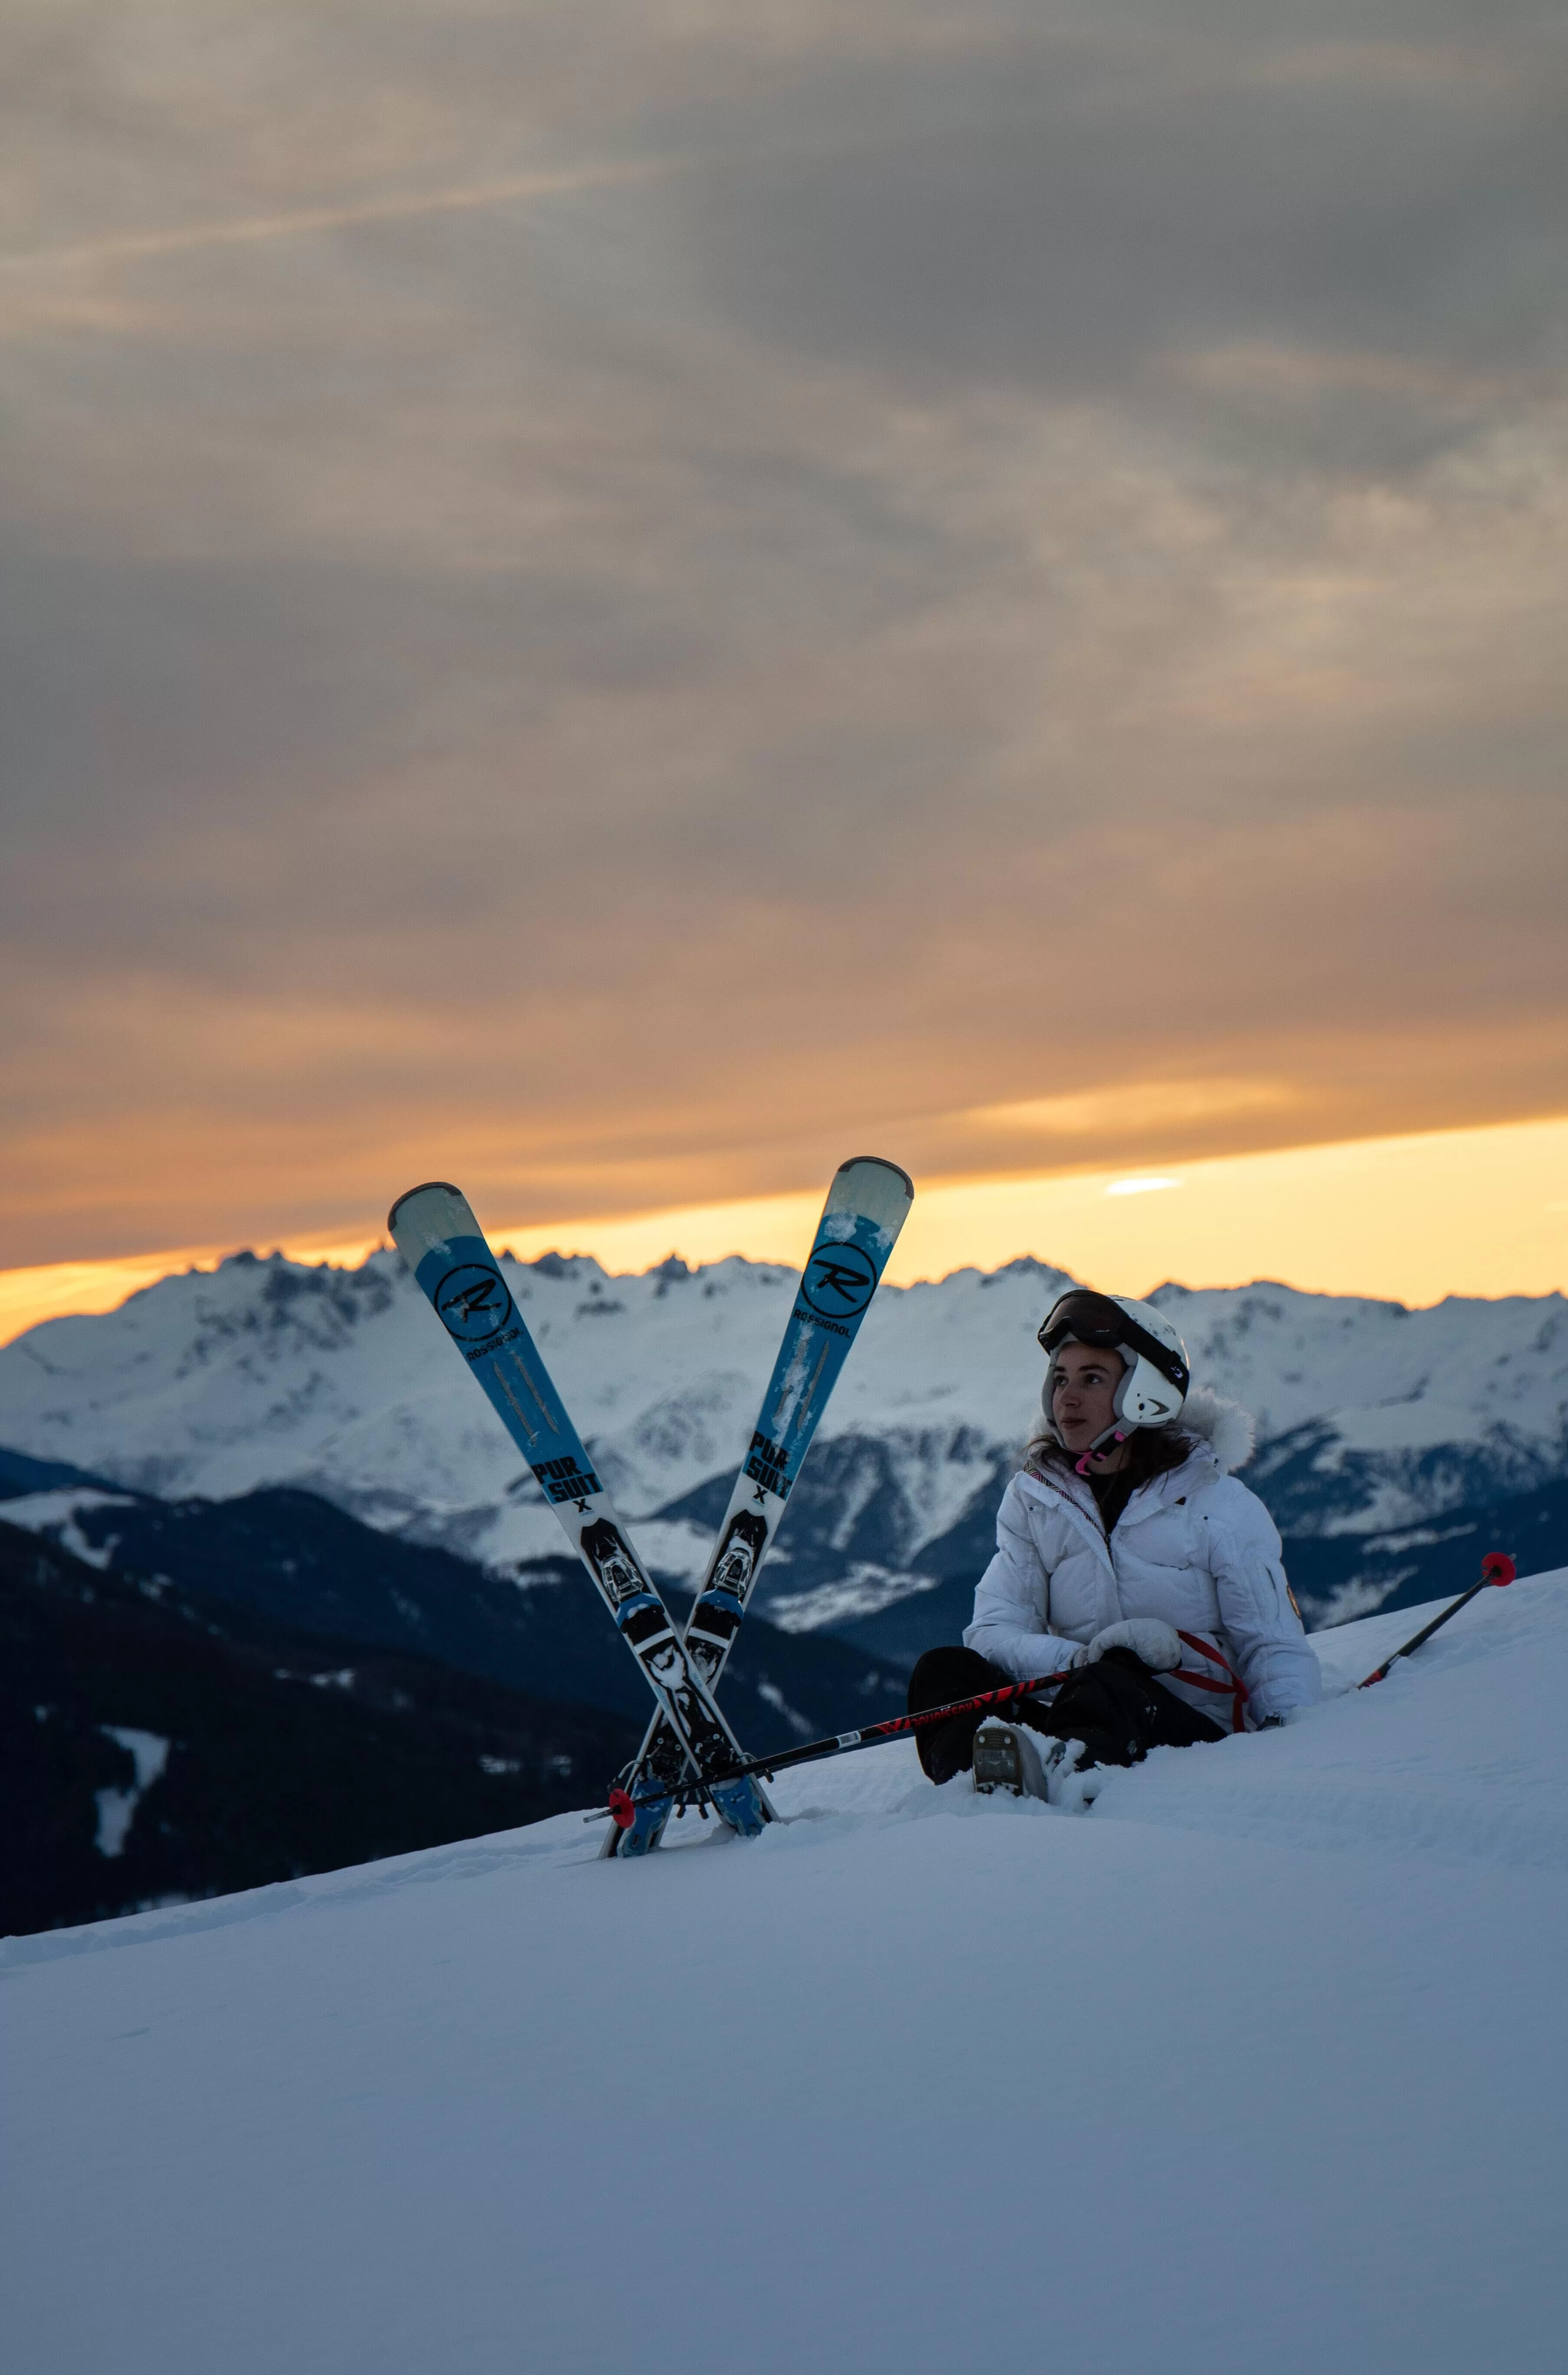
[1261,2063]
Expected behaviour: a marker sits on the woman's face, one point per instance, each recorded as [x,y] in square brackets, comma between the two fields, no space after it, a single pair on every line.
[1081,1393]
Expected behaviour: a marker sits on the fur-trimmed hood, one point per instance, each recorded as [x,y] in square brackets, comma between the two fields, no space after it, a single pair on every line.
[1228,1429]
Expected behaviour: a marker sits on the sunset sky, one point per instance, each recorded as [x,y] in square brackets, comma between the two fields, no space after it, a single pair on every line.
[615,602]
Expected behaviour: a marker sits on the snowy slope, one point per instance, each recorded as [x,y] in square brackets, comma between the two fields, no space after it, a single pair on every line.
[1260,2063]
[268,1372]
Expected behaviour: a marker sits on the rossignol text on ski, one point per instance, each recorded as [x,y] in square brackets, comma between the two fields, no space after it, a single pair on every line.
[866,1206]
[435,1230]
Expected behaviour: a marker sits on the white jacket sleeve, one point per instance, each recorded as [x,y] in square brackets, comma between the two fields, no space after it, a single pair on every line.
[1010,1601]
[1273,1655]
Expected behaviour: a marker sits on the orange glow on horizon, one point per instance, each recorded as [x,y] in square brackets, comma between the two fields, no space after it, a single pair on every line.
[1474,1212]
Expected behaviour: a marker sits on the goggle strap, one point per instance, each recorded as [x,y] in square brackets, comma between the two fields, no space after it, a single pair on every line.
[1127,1334]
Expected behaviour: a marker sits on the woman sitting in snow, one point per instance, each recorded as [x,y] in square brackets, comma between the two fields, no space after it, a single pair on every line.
[1130,1559]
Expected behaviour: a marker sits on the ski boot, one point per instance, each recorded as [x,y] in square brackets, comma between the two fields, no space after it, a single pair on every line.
[1033,1764]
[1007,1756]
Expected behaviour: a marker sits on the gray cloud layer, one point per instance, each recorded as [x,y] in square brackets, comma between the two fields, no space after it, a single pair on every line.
[595,598]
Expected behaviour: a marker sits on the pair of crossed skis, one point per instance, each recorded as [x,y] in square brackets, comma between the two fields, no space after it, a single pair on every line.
[689,1750]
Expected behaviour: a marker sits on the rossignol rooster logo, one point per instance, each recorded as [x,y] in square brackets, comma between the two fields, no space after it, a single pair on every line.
[840,1280]
[473,1302]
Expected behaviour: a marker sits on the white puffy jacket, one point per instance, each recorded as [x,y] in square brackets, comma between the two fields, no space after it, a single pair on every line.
[1193,1547]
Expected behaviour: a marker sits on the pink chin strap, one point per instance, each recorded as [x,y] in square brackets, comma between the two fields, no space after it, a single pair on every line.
[1100,1450]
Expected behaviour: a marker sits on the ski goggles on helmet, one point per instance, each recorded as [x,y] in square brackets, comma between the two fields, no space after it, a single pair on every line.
[1085,1317]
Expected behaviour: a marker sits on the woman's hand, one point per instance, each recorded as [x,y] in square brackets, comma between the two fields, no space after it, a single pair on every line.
[1152,1642]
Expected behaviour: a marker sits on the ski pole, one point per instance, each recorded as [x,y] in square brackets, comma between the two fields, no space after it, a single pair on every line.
[1496,1567]
[623,1803]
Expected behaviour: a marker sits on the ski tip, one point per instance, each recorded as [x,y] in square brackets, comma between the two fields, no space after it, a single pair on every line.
[424,1188]
[880,1162]
[870,1188]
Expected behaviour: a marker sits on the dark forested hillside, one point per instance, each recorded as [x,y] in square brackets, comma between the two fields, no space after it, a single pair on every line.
[292,1557]
[155,1743]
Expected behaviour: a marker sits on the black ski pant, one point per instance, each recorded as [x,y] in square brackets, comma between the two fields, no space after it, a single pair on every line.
[1116,1707]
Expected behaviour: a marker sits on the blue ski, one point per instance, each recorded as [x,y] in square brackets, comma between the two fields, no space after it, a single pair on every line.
[442,1244]
[867,1207]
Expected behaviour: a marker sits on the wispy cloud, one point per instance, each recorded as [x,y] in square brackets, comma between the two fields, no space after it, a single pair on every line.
[308,221]
[989,578]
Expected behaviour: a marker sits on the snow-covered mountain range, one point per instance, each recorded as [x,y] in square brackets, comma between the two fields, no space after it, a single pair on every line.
[1370,1417]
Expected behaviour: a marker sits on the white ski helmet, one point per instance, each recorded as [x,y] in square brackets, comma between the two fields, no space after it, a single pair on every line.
[1154,1384]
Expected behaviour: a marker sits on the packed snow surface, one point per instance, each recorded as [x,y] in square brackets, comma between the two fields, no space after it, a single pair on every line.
[1259,2063]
